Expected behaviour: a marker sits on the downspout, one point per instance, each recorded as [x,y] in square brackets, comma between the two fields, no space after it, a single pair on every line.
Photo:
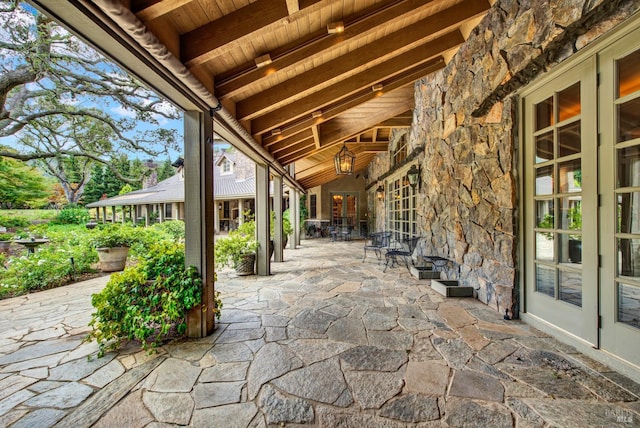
[128,26]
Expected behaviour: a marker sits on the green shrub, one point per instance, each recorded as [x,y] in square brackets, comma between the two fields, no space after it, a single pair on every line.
[229,250]
[115,235]
[72,215]
[175,228]
[6,236]
[13,221]
[147,301]
[50,266]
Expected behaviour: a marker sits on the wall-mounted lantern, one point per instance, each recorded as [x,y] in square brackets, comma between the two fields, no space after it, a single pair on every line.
[380,193]
[413,176]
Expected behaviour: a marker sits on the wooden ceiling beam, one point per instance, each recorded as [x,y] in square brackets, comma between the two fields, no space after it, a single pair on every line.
[284,142]
[233,82]
[203,44]
[332,95]
[292,6]
[306,145]
[337,132]
[354,60]
[149,10]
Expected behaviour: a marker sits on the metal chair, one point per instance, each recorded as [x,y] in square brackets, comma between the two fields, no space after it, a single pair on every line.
[377,242]
[392,255]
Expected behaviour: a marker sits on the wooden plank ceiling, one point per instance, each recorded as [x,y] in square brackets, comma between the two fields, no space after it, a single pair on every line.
[305,76]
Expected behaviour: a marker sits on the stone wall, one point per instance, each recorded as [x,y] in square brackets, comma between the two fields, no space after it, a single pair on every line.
[465,119]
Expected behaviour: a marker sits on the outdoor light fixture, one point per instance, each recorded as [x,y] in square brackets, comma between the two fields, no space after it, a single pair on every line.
[276,131]
[413,176]
[335,27]
[377,87]
[344,161]
[380,192]
[263,60]
[316,114]
[219,206]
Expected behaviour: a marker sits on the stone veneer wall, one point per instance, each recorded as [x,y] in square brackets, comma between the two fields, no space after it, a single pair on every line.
[465,118]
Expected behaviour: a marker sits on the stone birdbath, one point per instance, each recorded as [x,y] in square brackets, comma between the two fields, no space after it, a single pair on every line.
[31,244]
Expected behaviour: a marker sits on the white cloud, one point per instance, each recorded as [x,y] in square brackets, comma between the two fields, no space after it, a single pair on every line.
[123,112]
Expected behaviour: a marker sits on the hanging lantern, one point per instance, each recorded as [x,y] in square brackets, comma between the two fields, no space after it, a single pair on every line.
[344,160]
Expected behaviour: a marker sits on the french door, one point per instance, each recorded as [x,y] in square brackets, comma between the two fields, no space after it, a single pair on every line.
[620,213]
[561,207]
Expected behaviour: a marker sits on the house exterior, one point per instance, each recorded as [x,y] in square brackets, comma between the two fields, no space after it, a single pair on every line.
[234,193]
[524,129]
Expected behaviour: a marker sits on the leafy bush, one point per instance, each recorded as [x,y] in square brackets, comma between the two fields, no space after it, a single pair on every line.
[50,266]
[229,251]
[175,228]
[72,215]
[145,301]
[6,237]
[13,221]
[115,235]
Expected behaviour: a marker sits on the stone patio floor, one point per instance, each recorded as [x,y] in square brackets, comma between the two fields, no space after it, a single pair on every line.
[326,340]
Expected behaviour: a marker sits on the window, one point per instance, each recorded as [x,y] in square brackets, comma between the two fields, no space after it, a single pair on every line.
[167,210]
[227,167]
[313,213]
[399,154]
[401,202]
[226,212]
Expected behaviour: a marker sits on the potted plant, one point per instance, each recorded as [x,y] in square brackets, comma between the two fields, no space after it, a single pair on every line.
[238,251]
[5,241]
[112,242]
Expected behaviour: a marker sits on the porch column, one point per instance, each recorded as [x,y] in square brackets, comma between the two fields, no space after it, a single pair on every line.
[147,215]
[216,218]
[240,211]
[133,212]
[104,214]
[263,267]
[199,207]
[278,237]
[161,210]
[295,216]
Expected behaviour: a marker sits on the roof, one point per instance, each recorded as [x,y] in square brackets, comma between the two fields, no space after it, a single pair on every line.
[172,190]
[299,77]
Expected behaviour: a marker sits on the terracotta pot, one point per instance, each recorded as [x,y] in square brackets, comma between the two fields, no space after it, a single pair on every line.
[112,259]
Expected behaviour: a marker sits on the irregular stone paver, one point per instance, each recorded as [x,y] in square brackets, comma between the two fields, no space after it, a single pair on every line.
[282,409]
[372,389]
[47,333]
[41,418]
[329,418]
[78,369]
[497,351]
[37,373]
[270,362]
[552,383]
[41,349]
[234,336]
[472,336]
[313,320]
[232,416]
[525,414]
[225,353]
[191,351]
[412,408]
[470,384]
[175,408]
[106,374]
[372,358]
[321,382]
[399,340]
[48,361]
[468,413]
[348,330]
[68,395]
[13,400]
[174,375]
[313,350]
[455,351]
[217,393]
[380,318]
[225,372]
[574,413]
[428,377]
[130,412]
[12,384]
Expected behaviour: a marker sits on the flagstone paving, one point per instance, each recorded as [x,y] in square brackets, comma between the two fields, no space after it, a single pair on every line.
[325,341]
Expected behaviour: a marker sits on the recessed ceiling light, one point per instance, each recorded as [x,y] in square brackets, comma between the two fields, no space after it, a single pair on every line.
[316,114]
[377,87]
[276,131]
[263,60]
[335,27]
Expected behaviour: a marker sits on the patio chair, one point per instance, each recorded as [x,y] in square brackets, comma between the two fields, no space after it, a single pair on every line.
[392,255]
[377,242]
[333,233]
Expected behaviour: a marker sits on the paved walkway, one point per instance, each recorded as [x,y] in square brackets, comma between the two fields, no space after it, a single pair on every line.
[326,341]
